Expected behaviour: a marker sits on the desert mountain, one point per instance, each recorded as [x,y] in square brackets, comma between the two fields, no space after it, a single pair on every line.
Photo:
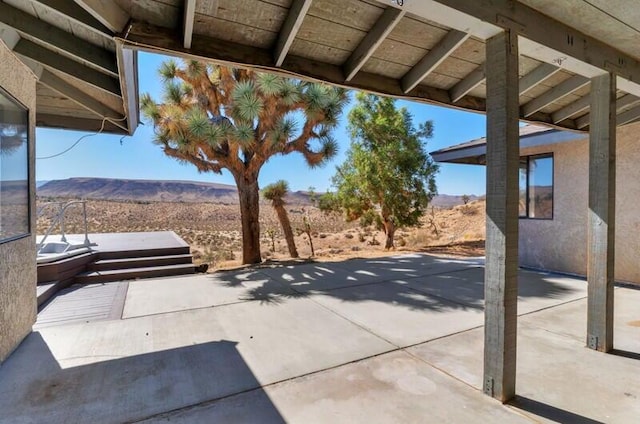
[170,191]
[148,191]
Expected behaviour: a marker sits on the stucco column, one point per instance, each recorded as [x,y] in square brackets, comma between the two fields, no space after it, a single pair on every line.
[501,270]
[601,215]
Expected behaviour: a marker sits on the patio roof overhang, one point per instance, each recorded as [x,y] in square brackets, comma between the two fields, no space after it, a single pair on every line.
[431,51]
[84,52]
[86,81]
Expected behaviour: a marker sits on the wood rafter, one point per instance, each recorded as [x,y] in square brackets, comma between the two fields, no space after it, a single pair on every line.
[623,102]
[383,26]
[77,14]
[468,83]
[107,12]
[67,66]
[290,28]
[535,77]
[559,91]
[58,39]
[188,17]
[431,60]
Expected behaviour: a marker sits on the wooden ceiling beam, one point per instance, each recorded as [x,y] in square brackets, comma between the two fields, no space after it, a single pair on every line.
[468,83]
[382,28]
[580,105]
[76,14]
[447,45]
[107,12]
[58,39]
[624,101]
[188,17]
[555,93]
[535,77]
[67,66]
[290,28]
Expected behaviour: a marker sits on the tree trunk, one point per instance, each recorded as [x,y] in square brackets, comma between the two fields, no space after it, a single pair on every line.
[389,229]
[288,232]
[249,214]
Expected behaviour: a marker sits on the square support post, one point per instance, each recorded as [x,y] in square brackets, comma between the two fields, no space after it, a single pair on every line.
[601,221]
[501,269]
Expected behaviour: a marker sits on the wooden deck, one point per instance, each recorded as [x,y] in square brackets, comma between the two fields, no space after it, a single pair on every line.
[84,303]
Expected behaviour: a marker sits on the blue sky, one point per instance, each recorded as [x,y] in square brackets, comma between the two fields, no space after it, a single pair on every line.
[137,157]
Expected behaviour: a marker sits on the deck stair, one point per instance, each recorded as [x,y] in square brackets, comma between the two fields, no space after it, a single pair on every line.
[133,264]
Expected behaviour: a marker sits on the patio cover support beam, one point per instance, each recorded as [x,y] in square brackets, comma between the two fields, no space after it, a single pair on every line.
[559,91]
[535,77]
[579,105]
[382,28]
[622,102]
[78,15]
[431,60]
[471,81]
[58,39]
[70,67]
[501,269]
[290,28]
[188,17]
[601,218]
[107,12]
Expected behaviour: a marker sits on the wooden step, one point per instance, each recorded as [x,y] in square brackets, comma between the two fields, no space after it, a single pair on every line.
[143,253]
[130,274]
[140,262]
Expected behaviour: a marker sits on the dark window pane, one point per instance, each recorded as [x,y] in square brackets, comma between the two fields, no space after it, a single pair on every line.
[541,187]
[14,169]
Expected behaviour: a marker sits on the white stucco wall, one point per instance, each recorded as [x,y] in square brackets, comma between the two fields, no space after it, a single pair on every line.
[561,244]
[18,258]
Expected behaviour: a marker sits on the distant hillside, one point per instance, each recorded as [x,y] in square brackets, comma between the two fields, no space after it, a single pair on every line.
[172,191]
[448,200]
[148,191]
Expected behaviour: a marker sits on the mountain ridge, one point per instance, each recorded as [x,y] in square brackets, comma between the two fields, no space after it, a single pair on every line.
[184,191]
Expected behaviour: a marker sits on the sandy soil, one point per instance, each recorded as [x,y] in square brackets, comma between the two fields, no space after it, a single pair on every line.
[213,230]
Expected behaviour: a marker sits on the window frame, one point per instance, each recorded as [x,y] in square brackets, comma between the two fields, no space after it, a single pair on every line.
[27,111]
[527,160]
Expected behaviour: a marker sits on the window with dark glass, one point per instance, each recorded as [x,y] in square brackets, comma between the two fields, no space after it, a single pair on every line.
[536,187]
[14,169]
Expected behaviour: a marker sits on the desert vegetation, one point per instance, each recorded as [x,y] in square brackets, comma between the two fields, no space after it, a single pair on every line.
[214,230]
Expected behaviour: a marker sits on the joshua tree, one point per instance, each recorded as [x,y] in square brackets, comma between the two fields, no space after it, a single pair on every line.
[235,119]
[275,193]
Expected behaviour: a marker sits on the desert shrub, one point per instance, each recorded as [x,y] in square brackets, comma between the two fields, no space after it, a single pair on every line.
[348,236]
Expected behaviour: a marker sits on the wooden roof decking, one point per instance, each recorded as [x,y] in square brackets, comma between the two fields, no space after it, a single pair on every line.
[363,44]
[427,50]
[82,74]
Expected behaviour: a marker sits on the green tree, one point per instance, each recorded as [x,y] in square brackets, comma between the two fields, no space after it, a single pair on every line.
[275,193]
[388,178]
[218,118]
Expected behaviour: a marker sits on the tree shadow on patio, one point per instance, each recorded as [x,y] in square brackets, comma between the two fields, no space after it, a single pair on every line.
[415,281]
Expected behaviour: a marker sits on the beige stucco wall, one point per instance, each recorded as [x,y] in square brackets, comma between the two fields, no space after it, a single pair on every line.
[18,258]
[561,244]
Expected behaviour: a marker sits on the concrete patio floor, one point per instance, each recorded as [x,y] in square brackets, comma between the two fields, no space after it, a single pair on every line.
[396,339]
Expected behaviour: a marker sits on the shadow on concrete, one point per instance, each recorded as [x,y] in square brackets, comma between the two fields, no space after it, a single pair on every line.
[413,281]
[35,387]
[550,412]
